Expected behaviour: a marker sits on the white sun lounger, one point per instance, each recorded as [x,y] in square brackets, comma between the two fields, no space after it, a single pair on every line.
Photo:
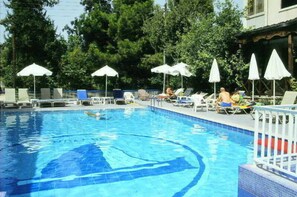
[23,100]
[9,98]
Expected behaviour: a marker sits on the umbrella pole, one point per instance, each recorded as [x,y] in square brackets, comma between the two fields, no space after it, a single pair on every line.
[214,88]
[273,92]
[34,87]
[182,82]
[105,85]
[164,83]
[253,89]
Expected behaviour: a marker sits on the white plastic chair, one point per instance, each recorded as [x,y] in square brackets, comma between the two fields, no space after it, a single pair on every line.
[129,97]
[199,102]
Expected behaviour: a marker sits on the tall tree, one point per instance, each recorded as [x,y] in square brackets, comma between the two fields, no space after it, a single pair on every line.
[167,26]
[132,44]
[31,38]
[214,36]
[113,35]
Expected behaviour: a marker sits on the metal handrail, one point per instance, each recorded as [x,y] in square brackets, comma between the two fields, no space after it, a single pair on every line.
[275,139]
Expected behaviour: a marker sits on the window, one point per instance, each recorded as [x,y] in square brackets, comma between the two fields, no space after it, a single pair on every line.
[255,7]
[259,6]
[288,3]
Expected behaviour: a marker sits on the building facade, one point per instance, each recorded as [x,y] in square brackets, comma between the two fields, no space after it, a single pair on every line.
[261,13]
[271,24]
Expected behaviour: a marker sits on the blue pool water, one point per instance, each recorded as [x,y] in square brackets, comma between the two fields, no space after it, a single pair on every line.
[136,152]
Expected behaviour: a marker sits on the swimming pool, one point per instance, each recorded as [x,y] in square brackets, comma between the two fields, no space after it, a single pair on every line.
[137,152]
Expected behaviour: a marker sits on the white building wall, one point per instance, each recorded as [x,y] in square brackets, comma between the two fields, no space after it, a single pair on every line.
[272,14]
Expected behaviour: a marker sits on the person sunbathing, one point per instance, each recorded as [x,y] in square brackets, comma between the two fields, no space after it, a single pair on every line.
[224,99]
[235,98]
[170,93]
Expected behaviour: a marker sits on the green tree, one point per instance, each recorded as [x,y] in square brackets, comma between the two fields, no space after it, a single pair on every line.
[132,44]
[166,28]
[214,36]
[178,21]
[31,38]
[112,35]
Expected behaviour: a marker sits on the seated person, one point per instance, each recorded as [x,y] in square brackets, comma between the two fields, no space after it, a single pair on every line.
[235,98]
[170,93]
[224,99]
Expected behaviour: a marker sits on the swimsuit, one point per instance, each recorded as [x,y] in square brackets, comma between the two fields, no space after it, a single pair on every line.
[224,104]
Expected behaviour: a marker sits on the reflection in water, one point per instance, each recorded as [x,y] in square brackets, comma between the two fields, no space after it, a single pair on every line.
[34,143]
[197,129]
[10,120]
[213,148]
[128,112]
[105,140]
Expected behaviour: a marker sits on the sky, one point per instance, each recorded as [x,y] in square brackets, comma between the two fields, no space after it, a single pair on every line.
[65,12]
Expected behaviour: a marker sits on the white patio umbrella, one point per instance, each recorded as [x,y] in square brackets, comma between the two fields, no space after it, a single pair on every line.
[253,73]
[214,75]
[34,70]
[107,71]
[165,69]
[275,70]
[182,69]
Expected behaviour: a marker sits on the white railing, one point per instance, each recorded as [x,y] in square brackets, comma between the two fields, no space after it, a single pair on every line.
[275,139]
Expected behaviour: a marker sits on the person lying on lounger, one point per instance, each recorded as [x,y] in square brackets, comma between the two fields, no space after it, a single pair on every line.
[224,99]
[170,93]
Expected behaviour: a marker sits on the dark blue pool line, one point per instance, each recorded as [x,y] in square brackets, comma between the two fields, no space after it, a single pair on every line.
[225,126]
[101,172]
[197,177]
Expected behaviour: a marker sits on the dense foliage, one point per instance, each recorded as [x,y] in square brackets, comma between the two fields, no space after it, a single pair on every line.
[131,36]
[214,36]
[31,38]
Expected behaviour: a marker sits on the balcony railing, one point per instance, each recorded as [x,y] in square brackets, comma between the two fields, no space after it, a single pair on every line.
[275,139]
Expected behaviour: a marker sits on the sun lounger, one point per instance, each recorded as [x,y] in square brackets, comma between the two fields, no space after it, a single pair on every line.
[23,99]
[188,92]
[289,98]
[9,98]
[183,102]
[118,96]
[179,92]
[227,108]
[82,97]
[47,101]
[58,100]
[58,93]
[45,93]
